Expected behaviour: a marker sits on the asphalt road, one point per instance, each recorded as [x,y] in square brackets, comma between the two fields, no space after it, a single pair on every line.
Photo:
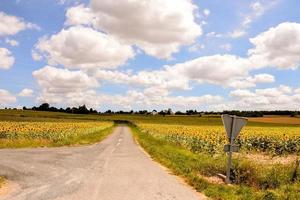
[115,169]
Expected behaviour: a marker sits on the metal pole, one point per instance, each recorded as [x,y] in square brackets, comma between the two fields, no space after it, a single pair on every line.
[227,180]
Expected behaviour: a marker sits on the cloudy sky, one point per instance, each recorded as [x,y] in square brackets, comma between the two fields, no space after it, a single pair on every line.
[151,54]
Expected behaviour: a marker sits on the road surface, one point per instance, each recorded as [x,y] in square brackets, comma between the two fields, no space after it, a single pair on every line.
[115,169]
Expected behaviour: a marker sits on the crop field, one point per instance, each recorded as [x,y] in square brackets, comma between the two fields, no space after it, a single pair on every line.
[277,120]
[191,146]
[48,131]
[211,139]
[265,168]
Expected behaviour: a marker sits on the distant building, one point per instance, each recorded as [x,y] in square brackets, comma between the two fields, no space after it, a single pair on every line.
[154,112]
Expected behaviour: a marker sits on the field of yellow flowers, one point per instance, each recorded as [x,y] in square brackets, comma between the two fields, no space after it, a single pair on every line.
[276,140]
[50,131]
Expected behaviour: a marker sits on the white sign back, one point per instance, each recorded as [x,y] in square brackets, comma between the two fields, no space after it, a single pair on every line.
[233,128]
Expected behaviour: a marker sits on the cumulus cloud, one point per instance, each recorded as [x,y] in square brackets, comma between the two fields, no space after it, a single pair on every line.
[160,28]
[216,69]
[11,25]
[26,93]
[82,47]
[224,70]
[278,98]
[279,46]
[59,85]
[6,59]
[6,97]
[159,79]
[79,15]
[250,81]
[73,88]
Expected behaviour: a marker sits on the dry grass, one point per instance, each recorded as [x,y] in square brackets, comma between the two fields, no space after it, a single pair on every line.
[277,120]
[267,159]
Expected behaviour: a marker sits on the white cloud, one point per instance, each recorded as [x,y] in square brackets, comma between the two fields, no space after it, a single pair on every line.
[26,93]
[216,69]
[279,98]
[241,93]
[6,59]
[249,82]
[60,85]
[161,28]
[6,97]
[79,15]
[11,25]
[214,34]
[73,88]
[81,47]
[196,47]
[226,47]
[11,42]
[237,33]
[224,70]
[297,91]
[257,9]
[206,12]
[279,47]
[158,79]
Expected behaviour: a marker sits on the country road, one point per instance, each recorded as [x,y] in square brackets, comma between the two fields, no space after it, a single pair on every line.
[115,169]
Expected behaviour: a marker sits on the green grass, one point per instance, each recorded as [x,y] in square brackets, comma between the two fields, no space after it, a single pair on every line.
[84,139]
[253,181]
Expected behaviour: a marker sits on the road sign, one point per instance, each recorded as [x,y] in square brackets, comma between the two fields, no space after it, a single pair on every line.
[233,131]
[234,148]
[233,126]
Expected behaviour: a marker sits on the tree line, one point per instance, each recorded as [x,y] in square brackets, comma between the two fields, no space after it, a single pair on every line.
[84,110]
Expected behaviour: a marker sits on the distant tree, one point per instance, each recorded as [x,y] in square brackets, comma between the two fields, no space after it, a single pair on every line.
[108,112]
[44,107]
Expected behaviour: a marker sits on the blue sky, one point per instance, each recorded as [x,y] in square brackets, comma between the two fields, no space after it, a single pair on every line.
[205,55]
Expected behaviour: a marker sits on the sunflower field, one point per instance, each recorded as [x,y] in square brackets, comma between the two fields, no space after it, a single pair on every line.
[52,131]
[275,140]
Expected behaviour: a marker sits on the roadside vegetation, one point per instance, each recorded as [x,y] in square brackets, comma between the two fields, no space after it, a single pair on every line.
[267,166]
[252,180]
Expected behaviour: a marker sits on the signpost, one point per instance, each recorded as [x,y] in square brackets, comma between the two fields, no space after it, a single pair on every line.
[233,126]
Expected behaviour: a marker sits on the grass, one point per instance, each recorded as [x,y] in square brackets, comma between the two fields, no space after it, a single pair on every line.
[253,181]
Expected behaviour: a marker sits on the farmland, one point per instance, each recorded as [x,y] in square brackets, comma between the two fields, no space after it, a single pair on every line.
[36,131]
[265,168]
[191,146]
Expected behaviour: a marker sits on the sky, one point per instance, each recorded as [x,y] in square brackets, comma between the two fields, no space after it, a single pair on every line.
[151,54]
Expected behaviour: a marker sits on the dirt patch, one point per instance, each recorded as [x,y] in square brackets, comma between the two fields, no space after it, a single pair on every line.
[212,179]
[7,187]
[277,120]
[266,159]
